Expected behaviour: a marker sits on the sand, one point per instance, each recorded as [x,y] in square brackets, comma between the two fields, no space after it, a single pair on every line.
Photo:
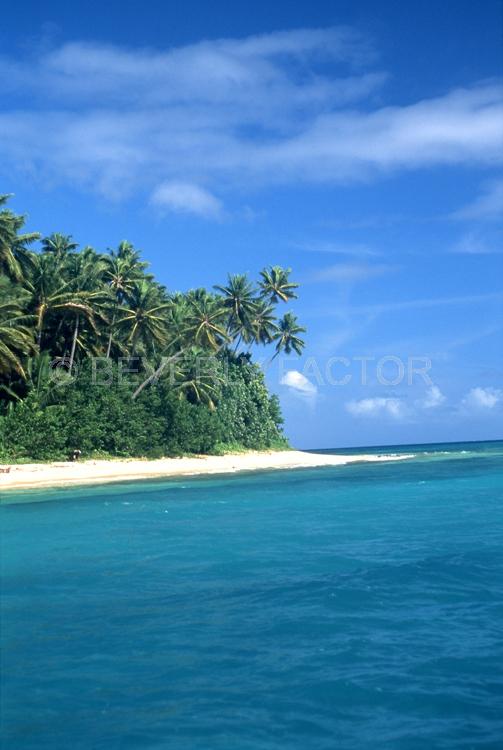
[57,474]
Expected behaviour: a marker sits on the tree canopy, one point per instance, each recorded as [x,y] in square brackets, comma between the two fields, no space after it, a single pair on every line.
[61,307]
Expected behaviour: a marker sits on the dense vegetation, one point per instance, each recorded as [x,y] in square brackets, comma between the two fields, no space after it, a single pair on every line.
[96,355]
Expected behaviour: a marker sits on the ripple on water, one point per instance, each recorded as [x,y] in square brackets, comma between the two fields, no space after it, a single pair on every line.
[350,608]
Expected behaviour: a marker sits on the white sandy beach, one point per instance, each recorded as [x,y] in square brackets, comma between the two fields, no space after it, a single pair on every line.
[56,474]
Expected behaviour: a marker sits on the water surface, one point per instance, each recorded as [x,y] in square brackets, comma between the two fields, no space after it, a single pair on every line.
[352,607]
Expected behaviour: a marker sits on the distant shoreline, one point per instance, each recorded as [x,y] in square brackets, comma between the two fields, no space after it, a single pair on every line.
[66,473]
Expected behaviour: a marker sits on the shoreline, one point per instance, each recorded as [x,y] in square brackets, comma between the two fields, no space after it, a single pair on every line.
[67,473]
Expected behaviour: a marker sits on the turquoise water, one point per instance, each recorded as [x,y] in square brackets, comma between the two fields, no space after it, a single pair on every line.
[356,607]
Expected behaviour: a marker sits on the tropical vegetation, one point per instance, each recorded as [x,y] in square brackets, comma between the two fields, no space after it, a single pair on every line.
[97,355]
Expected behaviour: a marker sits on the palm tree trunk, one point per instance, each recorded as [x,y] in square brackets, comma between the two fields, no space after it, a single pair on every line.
[237,345]
[270,361]
[74,342]
[40,324]
[157,373]
[109,347]
[58,329]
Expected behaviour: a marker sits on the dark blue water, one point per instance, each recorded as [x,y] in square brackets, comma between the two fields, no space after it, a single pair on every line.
[358,607]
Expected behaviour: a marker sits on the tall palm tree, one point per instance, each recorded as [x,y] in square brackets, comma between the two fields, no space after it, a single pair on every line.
[198,377]
[275,285]
[240,301]
[206,320]
[16,338]
[126,251]
[86,272]
[178,323]
[143,319]
[52,295]
[264,323]
[43,380]
[287,338]
[122,269]
[14,255]
[60,245]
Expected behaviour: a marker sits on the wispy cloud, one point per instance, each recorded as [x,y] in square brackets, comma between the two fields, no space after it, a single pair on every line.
[372,311]
[283,107]
[298,384]
[377,407]
[482,398]
[397,408]
[418,304]
[184,197]
[350,272]
[354,250]
[432,399]
[473,243]
[477,401]
[489,205]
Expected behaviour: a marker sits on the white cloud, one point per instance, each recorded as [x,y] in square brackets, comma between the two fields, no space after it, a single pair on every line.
[277,108]
[474,244]
[462,127]
[489,205]
[415,304]
[483,398]
[184,197]
[376,407]
[395,408]
[299,384]
[433,398]
[251,70]
[335,248]
[350,272]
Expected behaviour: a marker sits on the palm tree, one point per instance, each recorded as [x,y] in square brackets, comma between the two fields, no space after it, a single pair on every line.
[86,272]
[206,320]
[127,252]
[240,301]
[14,255]
[275,285]
[143,319]
[44,381]
[16,338]
[60,245]
[198,377]
[287,338]
[178,322]
[122,269]
[51,294]
[264,323]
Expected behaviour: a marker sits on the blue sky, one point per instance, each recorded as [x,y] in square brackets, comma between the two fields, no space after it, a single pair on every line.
[359,143]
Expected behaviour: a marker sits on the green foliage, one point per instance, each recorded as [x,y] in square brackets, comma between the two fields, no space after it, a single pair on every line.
[30,432]
[248,414]
[64,306]
[104,419]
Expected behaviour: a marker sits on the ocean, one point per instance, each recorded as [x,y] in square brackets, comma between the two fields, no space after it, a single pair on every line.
[337,608]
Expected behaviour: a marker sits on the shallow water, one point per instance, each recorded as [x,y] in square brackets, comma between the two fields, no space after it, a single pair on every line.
[352,607]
